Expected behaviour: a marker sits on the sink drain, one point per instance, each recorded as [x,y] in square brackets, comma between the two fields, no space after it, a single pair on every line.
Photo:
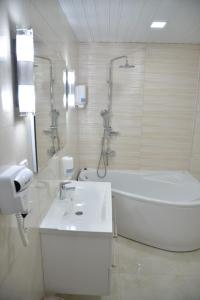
[79,213]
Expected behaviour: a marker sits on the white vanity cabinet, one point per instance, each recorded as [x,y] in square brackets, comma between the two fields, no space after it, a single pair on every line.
[77,242]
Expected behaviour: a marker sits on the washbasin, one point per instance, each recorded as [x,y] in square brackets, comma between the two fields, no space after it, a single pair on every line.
[86,208]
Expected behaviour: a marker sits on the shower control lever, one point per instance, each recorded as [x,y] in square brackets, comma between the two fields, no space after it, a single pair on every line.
[109,152]
[111,132]
[47,131]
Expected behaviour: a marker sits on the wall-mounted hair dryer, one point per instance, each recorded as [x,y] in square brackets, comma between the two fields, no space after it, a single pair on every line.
[14,183]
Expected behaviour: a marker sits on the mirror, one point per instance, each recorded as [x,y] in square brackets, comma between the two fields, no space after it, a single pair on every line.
[41,95]
[50,116]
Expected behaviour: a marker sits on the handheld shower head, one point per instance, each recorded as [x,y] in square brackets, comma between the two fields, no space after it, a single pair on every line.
[104,113]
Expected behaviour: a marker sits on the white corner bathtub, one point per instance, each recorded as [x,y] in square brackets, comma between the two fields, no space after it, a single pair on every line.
[157,208]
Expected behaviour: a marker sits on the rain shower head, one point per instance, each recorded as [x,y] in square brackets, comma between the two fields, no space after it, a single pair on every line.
[126,65]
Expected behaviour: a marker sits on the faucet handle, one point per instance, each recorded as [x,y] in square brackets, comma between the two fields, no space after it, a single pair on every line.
[110,132]
[113,133]
[66,182]
[109,153]
[63,183]
[62,187]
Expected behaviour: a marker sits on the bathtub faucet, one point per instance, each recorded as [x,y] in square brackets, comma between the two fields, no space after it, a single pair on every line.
[63,187]
[79,173]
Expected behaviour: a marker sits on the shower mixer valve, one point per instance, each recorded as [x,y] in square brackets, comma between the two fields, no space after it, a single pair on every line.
[111,132]
[109,153]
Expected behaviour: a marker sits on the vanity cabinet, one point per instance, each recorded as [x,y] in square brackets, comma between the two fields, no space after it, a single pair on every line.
[77,248]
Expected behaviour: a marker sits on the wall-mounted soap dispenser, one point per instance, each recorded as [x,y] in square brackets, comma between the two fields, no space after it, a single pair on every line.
[66,167]
[14,183]
[81,96]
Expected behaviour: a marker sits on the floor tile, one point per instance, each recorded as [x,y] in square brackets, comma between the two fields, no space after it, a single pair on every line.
[142,272]
[136,258]
[155,287]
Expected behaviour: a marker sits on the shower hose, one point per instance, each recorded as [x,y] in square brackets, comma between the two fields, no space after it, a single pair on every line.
[102,159]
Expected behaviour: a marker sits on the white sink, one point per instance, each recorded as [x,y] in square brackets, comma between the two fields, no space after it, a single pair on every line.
[76,237]
[87,209]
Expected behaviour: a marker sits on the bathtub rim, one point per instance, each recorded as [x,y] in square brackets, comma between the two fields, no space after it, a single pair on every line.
[137,197]
[141,172]
[150,200]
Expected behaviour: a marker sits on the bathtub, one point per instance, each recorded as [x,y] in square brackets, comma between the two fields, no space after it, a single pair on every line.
[157,208]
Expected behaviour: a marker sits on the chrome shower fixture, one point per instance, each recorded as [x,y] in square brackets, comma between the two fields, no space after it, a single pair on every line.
[108,132]
[105,114]
[126,65]
[52,131]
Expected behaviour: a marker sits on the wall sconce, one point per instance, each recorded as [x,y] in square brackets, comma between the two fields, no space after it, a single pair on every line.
[65,83]
[74,96]
[71,88]
[25,83]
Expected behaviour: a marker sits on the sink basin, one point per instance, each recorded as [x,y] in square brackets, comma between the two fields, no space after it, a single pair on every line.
[87,209]
[76,240]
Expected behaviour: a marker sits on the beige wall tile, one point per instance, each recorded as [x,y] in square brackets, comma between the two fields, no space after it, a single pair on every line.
[153,105]
[195,153]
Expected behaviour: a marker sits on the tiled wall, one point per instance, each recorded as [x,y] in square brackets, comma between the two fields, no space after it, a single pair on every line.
[195,159]
[154,104]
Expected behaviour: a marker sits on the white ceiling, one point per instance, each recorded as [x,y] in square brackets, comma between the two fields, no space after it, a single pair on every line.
[129,20]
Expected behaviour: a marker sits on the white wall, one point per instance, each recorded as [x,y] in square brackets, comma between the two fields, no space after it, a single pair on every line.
[21,268]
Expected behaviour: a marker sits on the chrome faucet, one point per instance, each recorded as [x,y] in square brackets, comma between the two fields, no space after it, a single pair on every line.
[64,188]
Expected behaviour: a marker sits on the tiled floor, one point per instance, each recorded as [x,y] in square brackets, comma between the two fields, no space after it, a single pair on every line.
[146,273]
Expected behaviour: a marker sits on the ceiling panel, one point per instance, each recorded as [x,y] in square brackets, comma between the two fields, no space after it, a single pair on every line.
[129,20]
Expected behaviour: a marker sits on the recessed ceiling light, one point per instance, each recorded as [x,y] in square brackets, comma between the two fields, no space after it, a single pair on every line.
[158,24]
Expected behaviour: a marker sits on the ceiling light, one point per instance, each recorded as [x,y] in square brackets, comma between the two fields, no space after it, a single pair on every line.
[158,24]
